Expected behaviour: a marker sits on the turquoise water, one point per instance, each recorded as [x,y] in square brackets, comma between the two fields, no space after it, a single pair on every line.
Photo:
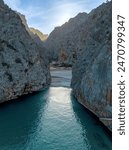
[50,120]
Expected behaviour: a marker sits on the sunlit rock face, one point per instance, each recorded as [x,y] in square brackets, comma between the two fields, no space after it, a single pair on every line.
[22,67]
[43,37]
[92,67]
[36,37]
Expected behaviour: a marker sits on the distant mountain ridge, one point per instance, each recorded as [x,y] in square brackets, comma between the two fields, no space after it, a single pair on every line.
[43,37]
[35,33]
[59,38]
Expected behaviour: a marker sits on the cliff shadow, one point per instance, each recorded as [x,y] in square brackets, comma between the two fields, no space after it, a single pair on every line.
[19,120]
[92,130]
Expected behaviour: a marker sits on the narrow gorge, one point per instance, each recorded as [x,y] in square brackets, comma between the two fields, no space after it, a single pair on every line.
[56,89]
[85,43]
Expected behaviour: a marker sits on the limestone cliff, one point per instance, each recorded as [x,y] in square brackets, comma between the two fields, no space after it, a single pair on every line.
[61,41]
[23,69]
[35,34]
[85,42]
[92,67]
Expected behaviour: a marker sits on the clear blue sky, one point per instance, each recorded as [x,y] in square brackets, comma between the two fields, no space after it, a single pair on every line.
[45,15]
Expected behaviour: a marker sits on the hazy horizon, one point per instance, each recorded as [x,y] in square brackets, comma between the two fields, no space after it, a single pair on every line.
[45,15]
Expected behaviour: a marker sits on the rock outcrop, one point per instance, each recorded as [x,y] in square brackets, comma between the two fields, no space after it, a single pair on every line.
[43,37]
[23,69]
[61,41]
[36,35]
[85,42]
[92,67]
[37,38]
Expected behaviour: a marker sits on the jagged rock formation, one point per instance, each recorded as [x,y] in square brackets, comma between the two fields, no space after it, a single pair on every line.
[85,42]
[38,36]
[63,39]
[24,21]
[23,69]
[43,37]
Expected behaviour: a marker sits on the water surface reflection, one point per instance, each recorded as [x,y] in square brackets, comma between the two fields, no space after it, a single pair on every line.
[50,120]
[92,131]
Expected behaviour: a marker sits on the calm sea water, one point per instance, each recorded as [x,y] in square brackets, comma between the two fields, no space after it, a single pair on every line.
[50,120]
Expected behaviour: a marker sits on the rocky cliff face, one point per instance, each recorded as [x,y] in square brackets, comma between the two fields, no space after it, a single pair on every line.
[92,67]
[35,34]
[43,37]
[37,38]
[85,42]
[22,70]
[61,42]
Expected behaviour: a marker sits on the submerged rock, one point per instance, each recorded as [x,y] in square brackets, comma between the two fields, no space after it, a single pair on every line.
[23,69]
